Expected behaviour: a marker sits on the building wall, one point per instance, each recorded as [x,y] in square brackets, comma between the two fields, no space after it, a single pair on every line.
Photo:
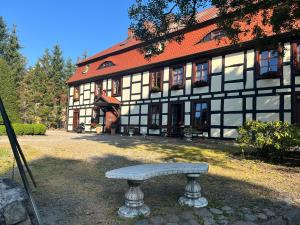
[234,93]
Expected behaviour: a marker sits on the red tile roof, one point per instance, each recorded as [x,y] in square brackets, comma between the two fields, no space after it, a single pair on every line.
[131,58]
[110,100]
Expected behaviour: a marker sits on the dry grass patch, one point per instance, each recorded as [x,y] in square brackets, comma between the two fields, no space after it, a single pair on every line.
[72,188]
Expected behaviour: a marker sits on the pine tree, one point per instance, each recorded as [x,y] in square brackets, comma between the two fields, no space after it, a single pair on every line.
[13,56]
[3,36]
[8,91]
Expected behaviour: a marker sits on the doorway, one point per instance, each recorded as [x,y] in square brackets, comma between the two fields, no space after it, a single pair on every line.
[110,118]
[175,119]
[297,109]
[75,119]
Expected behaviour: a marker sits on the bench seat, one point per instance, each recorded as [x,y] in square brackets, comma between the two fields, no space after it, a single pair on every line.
[146,171]
[136,175]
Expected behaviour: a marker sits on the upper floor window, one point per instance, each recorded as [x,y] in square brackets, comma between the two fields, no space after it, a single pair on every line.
[177,77]
[116,87]
[268,62]
[98,88]
[201,73]
[200,116]
[156,81]
[213,35]
[298,56]
[76,93]
[106,64]
[154,116]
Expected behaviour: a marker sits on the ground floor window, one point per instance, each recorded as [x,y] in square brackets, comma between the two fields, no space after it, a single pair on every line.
[200,116]
[154,116]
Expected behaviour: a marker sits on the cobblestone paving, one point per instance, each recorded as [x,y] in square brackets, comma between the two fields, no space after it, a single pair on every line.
[226,215]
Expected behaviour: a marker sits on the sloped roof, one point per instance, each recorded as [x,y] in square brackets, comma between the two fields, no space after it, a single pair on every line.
[130,57]
[108,99]
[201,17]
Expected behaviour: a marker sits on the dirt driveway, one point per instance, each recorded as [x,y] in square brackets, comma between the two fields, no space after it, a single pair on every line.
[72,189]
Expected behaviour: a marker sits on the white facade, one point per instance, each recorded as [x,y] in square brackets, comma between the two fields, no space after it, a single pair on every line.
[234,95]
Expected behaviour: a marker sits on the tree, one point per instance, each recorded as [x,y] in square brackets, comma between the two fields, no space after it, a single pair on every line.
[3,36]
[11,54]
[8,91]
[156,21]
[44,89]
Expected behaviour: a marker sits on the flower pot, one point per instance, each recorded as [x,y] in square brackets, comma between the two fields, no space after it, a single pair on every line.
[112,131]
[98,130]
[130,132]
[188,136]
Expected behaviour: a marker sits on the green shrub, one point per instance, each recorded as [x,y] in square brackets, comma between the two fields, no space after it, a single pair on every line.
[28,129]
[18,128]
[2,130]
[25,129]
[39,129]
[268,138]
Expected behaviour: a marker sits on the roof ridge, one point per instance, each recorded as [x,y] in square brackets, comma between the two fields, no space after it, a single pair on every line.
[135,42]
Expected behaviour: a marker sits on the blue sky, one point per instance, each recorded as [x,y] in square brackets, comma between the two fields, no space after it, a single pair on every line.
[77,26]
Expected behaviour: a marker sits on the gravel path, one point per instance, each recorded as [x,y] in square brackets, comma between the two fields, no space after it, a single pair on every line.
[72,189]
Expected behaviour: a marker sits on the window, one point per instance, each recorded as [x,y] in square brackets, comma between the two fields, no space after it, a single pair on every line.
[200,116]
[98,88]
[154,116]
[76,93]
[268,63]
[177,77]
[201,72]
[106,64]
[116,87]
[156,81]
[214,35]
[297,57]
[298,53]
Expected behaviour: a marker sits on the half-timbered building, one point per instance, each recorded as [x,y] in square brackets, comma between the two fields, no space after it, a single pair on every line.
[204,82]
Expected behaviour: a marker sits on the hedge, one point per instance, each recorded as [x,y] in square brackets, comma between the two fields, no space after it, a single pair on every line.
[268,138]
[25,129]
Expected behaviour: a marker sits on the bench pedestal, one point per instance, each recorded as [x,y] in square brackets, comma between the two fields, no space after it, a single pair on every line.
[192,196]
[134,201]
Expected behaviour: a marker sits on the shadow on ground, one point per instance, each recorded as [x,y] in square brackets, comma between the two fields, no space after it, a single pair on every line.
[76,192]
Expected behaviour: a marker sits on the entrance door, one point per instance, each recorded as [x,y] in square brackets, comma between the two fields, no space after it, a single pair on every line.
[175,118]
[297,109]
[110,118]
[75,118]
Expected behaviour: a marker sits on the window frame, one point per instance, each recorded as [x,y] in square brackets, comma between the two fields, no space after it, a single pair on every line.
[113,87]
[210,35]
[296,53]
[193,119]
[171,72]
[199,83]
[96,89]
[102,65]
[269,74]
[76,89]
[154,72]
[150,124]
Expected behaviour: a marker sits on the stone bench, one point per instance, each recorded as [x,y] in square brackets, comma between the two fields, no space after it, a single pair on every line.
[136,175]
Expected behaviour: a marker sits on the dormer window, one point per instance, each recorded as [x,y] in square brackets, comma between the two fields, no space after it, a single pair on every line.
[215,34]
[106,64]
[86,69]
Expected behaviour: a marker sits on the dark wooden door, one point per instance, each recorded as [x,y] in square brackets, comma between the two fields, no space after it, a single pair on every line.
[175,119]
[75,118]
[297,109]
[110,118]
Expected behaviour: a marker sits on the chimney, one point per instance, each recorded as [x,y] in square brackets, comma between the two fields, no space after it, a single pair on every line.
[130,33]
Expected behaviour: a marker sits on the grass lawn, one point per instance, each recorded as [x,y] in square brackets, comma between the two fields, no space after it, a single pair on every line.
[69,169]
